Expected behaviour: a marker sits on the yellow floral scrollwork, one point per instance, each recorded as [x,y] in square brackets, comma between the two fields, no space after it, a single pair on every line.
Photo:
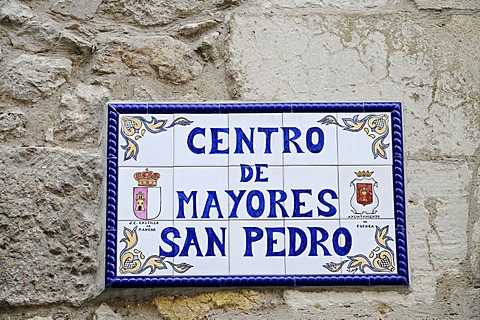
[374,126]
[134,128]
[380,258]
[134,261]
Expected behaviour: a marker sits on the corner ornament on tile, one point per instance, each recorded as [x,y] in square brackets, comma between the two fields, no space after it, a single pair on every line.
[133,260]
[380,258]
[375,126]
[134,128]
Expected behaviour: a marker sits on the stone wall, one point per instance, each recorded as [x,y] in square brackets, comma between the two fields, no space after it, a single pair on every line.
[62,60]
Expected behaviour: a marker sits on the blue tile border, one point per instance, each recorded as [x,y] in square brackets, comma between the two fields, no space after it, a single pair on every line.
[114,109]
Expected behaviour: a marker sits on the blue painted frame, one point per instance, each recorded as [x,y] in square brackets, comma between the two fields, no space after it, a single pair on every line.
[395,110]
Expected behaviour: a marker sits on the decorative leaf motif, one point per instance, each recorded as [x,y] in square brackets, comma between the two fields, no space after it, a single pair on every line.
[181,267]
[134,125]
[130,239]
[329,120]
[353,124]
[381,237]
[131,259]
[377,261]
[333,266]
[154,126]
[154,263]
[378,148]
[131,149]
[359,262]
[374,126]
[180,121]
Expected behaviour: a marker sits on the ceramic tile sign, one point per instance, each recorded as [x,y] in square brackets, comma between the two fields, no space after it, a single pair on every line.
[240,194]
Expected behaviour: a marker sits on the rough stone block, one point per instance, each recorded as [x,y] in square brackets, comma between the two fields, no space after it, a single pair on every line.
[49,226]
[31,77]
[200,305]
[104,312]
[13,11]
[35,36]
[39,34]
[172,60]
[77,9]
[157,12]
[12,124]
[80,116]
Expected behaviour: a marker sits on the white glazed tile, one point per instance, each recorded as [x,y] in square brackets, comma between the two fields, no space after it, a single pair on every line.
[364,247]
[207,125]
[378,188]
[154,148]
[157,200]
[355,147]
[205,248]
[187,180]
[254,191]
[147,247]
[304,253]
[262,152]
[241,262]
[315,152]
[311,184]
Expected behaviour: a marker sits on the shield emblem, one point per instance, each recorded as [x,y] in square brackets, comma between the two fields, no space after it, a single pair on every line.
[364,198]
[147,202]
[364,193]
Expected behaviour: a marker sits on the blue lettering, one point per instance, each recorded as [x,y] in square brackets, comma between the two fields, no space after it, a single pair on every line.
[191,240]
[171,243]
[236,202]
[255,213]
[277,202]
[297,204]
[259,167]
[342,251]
[271,241]
[212,240]
[246,173]
[242,137]
[252,234]
[315,148]
[190,138]
[182,199]
[268,138]
[212,202]
[331,209]
[293,250]
[216,141]
[287,139]
[315,242]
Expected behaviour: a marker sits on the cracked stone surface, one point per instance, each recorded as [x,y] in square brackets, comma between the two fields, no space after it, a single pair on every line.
[391,57]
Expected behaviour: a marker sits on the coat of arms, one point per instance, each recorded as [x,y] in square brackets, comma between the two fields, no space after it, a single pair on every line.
[147,197]
[364,198]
